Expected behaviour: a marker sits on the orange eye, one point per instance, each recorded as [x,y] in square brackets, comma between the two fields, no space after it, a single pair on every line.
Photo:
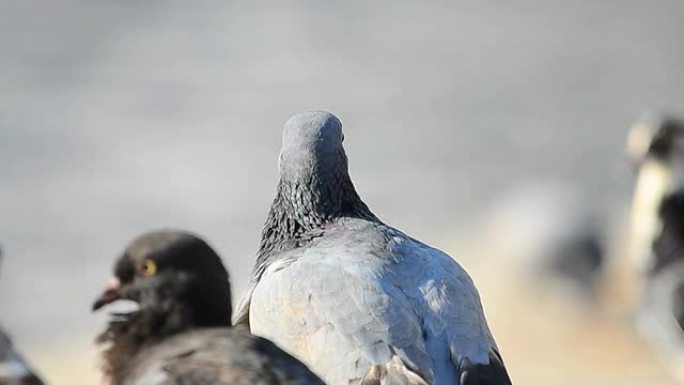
[149,268]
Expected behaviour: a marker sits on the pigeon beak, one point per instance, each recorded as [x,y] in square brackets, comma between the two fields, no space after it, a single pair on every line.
[110,294]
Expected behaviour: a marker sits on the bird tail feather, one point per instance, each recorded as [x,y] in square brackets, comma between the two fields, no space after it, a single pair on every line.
[493,373]
[393,372]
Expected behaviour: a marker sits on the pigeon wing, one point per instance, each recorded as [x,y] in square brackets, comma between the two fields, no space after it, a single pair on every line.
[358,300]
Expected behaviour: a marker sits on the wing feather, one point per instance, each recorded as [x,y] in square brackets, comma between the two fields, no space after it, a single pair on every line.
[356,300]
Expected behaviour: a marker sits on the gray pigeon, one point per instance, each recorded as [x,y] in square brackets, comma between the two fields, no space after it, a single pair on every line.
[356,300]
[181,332]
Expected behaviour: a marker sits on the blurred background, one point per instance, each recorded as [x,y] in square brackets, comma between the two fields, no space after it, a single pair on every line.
[493,130]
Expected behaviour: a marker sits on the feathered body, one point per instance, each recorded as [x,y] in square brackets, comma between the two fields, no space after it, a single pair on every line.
[181,332]
[355,299]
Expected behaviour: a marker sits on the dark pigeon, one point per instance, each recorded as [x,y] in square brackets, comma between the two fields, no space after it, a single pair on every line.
[355,299]
[656,146]
[181,332]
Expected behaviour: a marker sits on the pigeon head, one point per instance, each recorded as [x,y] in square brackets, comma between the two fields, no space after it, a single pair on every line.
[667,140]
[175,278]
[314,188]
[312,146]
[656,137]
[178,282]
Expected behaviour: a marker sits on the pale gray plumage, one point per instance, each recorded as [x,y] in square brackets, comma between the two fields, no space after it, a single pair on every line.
[356,300]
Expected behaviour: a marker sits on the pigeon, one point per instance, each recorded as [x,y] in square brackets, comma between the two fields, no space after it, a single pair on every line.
[660,317]
[13,368]
[181,331]
[656,147]
[355,299]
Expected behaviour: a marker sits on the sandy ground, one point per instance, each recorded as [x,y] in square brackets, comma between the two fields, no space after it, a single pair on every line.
[119,117]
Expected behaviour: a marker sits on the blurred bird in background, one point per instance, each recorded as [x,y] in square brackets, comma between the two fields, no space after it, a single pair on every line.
[660,316]
[13,368]
[655,147]
[548,232]
[590,274]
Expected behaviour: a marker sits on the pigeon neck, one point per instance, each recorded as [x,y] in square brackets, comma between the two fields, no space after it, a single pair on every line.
[305,205]
[127,335]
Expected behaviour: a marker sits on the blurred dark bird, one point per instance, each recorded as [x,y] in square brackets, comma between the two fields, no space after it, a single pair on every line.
[660,137]
[668,247]
[579,260]
[13,368]
[355,299]
[547,232]
[655,147]
[180,333]
[661,315]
